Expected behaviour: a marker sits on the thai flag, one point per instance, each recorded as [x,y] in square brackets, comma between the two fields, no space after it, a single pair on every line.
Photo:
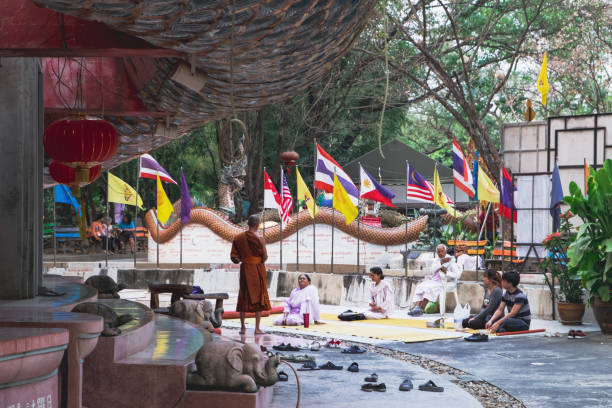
[324,176]
[271,197]
[507,207]
[370,189]
[461,171]
[419,189]
[286,200]
[150,168]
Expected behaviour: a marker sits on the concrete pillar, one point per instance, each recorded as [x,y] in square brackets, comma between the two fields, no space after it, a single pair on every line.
[21,168]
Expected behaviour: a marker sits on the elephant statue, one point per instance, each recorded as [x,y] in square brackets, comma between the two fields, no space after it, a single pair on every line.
[233,366]
[199,312]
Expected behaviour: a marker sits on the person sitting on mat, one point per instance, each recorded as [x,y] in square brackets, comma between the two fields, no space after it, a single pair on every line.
[519,315]
[492,298]
[298,304]
[429,290]
[381,296]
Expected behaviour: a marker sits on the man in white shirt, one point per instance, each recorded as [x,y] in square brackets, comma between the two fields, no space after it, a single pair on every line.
[465,261]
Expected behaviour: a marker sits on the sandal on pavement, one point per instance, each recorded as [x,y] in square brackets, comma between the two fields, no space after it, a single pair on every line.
[354,350]
[372,378]
[353,368]
[579,334]
[308,366]
[315,346]
[477,337]
[282,376]
[297,358]
[367,387]
[379,387]
[430,386]
[286,347]
[330,366]
[406,385]
[571,334]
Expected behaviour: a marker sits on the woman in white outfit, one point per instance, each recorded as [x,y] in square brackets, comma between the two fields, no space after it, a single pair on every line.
[429,290]
[381,296]
[303,299]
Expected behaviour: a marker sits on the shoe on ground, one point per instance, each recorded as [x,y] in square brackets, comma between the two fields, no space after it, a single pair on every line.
[282,376]
[353,368]
[354,350]
[579,334]
[330,366]
[477,337]
[406,385]
[571,334]
[367,387]
[379,387]
[372,378]
[417,311]
[431,387]
[286,347]
[308,366]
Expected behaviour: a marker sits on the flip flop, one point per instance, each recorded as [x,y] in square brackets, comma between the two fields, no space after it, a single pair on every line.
[353,368]
[309,366]
[330,366]
[372,378]
[431,387]
[406,385]
[282,376]
[354,350]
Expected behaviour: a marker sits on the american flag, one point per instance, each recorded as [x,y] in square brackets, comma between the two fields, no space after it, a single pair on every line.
[417,188]
[286,200]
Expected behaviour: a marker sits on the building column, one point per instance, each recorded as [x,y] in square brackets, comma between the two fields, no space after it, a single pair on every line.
[21,169]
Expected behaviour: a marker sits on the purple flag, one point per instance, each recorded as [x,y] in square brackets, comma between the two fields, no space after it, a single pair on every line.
[185,200]
[118,211]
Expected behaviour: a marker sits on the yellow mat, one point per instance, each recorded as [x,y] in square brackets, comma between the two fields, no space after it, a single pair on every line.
[377,329]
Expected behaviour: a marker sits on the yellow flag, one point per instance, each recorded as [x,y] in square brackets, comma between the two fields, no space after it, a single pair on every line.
[543,80]
[342,202]
[303,194]
[121,192]
[486,189]
[164,206]
[439,196]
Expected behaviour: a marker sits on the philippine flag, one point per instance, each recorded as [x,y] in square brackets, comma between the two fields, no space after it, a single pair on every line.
[462,177]
[370,189]
[324,176]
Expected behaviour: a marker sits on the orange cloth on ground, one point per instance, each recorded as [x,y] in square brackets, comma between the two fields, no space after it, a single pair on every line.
[253,293]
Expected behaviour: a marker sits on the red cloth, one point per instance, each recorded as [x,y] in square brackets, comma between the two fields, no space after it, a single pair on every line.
[250,250]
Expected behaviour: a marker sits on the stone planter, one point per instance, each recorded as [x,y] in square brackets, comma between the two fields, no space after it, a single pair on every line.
[571,313]
[603,315]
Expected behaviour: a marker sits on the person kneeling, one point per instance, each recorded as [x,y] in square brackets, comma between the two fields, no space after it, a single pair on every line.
[381,296]
[519,315]
[303,299]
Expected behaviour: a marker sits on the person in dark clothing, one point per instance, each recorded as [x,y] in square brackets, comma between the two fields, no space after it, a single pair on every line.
[519,315]
[492,298]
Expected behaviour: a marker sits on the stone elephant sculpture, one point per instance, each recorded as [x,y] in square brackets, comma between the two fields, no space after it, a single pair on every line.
[229,365]
[199,312]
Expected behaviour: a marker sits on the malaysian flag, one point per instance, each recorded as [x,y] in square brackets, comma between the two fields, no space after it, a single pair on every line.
[286,200]
[150,168]
[419,189]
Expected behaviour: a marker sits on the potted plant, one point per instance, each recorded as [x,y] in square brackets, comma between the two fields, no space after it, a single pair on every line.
[590,254]
[570,303]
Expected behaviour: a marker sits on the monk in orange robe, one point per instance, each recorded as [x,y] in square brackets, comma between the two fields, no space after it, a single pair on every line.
[250,250]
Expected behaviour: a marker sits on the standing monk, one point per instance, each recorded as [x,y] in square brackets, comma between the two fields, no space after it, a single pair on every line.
[250,249]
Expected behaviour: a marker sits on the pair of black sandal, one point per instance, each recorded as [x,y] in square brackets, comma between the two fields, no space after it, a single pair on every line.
[312,366]
[370,385]
[285,347]
[430,386]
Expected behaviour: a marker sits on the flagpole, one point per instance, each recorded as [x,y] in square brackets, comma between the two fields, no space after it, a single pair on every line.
[333,227]
[157,222]
[358,225]
[263,208]
[106,227]
[314,220]
[297,229]
[136,214]
[512,209]
[406,223]
[478,236]
[281,219]
[503,247]
[54,232]
[181,230]
[455,218]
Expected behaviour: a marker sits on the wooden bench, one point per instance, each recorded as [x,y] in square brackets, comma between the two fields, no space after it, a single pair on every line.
[180,291]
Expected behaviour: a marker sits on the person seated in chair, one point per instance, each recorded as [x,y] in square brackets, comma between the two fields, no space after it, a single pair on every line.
[108,241]
[430,289]
[465,261]
[127,228]
[381,296]
[492,298]
[97,230]
[519,314]
[303,299]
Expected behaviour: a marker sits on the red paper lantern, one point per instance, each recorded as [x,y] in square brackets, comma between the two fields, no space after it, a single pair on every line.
[80,142]
[74,177]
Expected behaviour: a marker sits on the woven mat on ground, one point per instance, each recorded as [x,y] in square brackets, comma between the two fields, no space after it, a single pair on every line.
[376,331]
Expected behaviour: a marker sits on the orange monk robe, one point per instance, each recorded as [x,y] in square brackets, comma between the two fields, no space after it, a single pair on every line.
[250,250]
